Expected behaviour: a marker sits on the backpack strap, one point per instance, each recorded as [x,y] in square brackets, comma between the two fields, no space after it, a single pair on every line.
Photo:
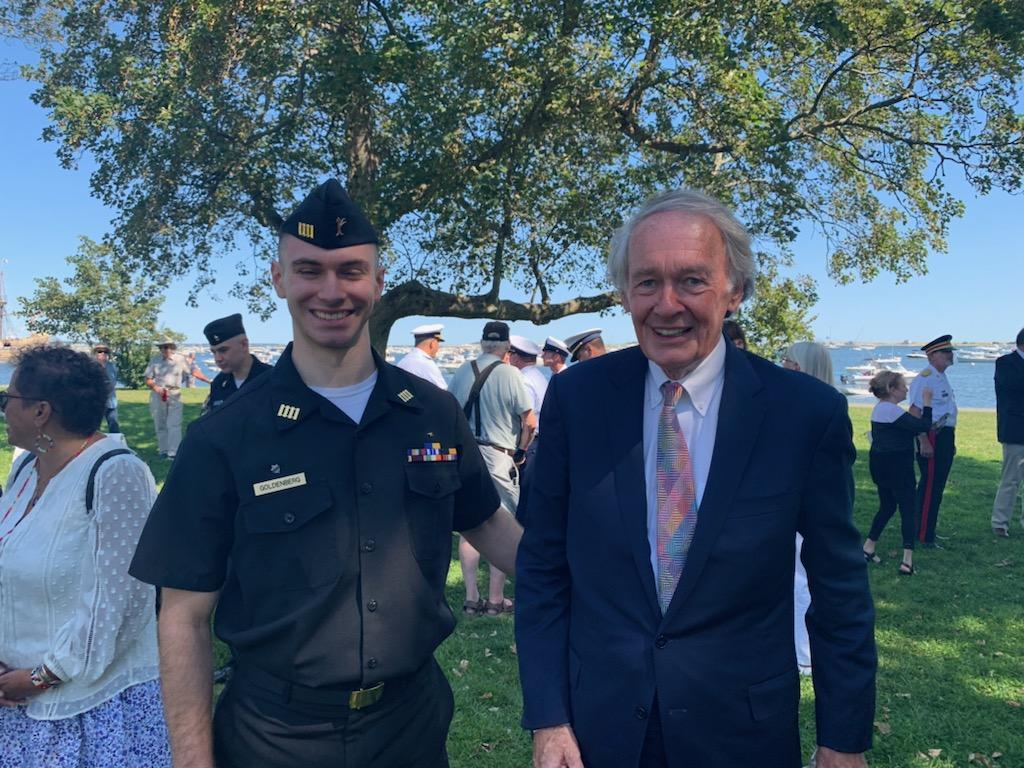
[17,470]
[90,487]
[472,405]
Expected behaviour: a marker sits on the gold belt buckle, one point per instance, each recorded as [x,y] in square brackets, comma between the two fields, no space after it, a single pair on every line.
[365,697]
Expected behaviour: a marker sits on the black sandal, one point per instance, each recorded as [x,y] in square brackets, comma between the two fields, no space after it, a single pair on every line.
[871,557]
[473,607]
[906,569]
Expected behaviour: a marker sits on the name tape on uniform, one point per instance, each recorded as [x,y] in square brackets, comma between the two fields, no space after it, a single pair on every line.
[279,484]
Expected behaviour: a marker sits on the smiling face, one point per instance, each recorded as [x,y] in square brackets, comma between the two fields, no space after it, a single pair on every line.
[678,289]
[330,293]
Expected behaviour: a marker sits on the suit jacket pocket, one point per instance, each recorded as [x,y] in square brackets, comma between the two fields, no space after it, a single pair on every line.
[776,696]
[752,505]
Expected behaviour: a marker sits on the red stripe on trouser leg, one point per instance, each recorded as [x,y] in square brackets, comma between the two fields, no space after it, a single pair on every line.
[926,502]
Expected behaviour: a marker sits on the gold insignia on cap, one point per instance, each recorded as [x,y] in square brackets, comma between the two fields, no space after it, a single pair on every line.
[340,222]
[288,412]
[305,230]
[405,395]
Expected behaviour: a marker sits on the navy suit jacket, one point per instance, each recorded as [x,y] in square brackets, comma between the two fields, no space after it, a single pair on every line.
[593,644]
[1009,378]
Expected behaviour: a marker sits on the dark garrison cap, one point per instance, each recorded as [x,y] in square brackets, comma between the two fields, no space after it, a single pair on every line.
[941,344]
[328,218]
[495,330]
[223,329]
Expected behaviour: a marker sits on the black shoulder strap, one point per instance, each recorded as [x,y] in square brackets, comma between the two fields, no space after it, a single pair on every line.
[90,488]
[473,401]
[24,463]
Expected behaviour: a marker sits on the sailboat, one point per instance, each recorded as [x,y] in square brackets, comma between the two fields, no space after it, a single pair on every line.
[9,345]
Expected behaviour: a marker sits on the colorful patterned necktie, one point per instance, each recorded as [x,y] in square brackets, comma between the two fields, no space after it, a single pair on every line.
[677,498]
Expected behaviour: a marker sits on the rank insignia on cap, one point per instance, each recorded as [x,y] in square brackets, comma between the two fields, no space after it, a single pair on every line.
[405,395]
[305,230]
[339,225]
[288,412]
[431,452]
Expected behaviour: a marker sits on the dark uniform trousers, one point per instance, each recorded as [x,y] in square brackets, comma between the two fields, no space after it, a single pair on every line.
[266,726]
[932,483]
[893,473]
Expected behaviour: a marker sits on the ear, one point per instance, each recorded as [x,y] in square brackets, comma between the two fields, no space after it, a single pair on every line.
[379,280]
[276,277]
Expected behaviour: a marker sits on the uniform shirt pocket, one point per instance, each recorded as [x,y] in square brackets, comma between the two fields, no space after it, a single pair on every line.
[430,504]
[291,540]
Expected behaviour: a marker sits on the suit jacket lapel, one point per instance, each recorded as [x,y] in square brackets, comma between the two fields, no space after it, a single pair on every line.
[739,419]
[626,437]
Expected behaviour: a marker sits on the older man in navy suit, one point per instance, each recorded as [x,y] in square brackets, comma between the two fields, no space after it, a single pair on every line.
[655,581]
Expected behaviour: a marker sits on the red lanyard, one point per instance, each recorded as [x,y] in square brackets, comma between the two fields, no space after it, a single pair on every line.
[15,503]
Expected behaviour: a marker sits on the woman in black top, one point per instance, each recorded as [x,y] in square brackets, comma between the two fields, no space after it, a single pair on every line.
[891,460]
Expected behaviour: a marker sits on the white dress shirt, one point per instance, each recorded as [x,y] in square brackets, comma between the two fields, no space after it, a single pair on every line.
[419,363]
[536,385]
[697,412]
[943,400]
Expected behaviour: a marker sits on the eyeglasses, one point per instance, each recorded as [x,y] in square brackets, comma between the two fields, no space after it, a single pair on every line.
[5,398]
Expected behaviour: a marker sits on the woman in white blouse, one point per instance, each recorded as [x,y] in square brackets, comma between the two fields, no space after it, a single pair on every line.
[78,658]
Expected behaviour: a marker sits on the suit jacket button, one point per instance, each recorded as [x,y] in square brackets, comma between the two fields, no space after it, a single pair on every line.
[289,518]
[365,488]
[660,641]
[371,663]
[641,713]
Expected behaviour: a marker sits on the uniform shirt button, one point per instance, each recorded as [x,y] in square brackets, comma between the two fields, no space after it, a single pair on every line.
[372,605]
[289,518]
[661,641]
[365,488]
[641,713]
[369,545]
[371,663]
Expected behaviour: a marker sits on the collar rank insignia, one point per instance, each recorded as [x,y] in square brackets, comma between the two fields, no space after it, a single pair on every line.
[288,412]
[305,230]
[275,469]
[405,395]
[431,452]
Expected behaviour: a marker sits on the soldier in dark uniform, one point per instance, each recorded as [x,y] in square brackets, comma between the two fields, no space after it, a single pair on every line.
[230,347]
[314,509]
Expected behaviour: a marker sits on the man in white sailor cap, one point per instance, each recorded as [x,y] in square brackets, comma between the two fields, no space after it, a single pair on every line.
[554,353]
[585,345]
[523,355]
[420,360]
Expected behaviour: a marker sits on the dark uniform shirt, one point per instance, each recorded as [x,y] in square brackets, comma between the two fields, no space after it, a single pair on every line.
[330,541]
[223,385]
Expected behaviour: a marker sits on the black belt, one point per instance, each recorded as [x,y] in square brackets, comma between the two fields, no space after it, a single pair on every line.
[508,451]
[260,683]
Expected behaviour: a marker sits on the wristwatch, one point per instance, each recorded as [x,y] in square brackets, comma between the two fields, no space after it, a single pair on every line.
[42,678]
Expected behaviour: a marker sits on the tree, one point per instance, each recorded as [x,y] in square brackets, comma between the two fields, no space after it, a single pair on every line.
[102,302]
[498,143]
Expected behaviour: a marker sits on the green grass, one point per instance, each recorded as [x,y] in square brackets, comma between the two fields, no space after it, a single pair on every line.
[950,640]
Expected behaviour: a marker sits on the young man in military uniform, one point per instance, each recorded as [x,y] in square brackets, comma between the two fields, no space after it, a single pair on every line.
[314,510]
[230,348]
[420,360]
[554,353]
[935,448]
[585,345]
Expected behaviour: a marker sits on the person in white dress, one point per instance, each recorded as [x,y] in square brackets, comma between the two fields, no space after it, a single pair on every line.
[78,654]
[813,359]
[420,360]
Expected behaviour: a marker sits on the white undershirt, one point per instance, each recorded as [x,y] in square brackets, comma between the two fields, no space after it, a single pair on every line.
[697,412]
[350,400]
[238,382]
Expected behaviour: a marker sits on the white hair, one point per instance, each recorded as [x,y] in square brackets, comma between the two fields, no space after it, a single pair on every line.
[496,348]
[742,269]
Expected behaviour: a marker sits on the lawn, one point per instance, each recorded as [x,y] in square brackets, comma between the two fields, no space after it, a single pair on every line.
[950,639]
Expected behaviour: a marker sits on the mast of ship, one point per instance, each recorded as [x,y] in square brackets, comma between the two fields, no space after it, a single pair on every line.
[3,306]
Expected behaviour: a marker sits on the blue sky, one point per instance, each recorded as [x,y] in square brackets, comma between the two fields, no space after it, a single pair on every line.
[973,291]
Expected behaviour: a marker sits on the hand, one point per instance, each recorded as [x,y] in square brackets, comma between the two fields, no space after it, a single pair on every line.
[15,687]
[829,758]
[556,747]
[925,446]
